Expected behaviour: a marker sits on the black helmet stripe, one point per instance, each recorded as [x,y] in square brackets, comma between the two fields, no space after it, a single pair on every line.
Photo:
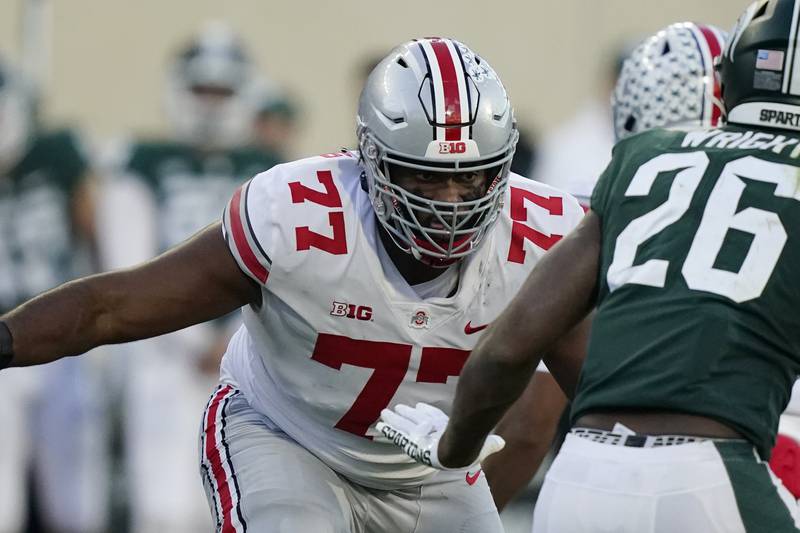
[433,96]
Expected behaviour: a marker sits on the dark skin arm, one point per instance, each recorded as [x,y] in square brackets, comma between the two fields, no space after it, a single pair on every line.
[530,424]
[528,429]
[557,295]
[196,281]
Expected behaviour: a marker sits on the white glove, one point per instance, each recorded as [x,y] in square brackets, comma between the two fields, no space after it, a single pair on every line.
[417,431]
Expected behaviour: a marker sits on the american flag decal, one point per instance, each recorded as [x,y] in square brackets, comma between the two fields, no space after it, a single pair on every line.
[770,60]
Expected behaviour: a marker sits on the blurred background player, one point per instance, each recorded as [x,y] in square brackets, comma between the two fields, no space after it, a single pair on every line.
[172,188]
[276,122]
[52,419]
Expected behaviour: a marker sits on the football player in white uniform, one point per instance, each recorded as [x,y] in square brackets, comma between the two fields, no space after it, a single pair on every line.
[365,278]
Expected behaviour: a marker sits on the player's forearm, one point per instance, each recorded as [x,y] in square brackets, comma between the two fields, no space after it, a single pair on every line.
[65,321]
[488,386]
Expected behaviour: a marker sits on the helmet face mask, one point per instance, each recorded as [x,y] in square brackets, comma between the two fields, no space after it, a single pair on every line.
[434,107]
[669,80]
[759,68]
[210,93]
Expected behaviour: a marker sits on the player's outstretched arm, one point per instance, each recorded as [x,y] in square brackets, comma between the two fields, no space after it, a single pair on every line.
[194,282]
[559,292]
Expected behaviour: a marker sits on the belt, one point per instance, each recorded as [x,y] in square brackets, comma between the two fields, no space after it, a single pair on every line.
[636,441]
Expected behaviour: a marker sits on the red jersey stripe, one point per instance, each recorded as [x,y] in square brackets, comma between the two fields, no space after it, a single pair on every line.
[256,269]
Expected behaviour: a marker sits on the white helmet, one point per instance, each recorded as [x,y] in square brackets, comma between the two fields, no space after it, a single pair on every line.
[214,63]
[16,116]
[434,105]
[669,81]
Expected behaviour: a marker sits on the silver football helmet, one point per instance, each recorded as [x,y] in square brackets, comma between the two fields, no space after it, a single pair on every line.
[210,92]
[434,105]
[669,81]
[16,116]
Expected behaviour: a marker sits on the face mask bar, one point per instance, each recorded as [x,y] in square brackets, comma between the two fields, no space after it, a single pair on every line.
[464,224]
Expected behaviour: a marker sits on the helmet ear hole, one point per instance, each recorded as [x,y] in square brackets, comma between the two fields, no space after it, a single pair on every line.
[630,123]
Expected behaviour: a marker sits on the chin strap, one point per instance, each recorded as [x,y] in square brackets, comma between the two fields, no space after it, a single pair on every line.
[6,346]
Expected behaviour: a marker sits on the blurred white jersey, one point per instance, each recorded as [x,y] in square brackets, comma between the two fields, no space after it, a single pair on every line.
[339,337]
[573,156]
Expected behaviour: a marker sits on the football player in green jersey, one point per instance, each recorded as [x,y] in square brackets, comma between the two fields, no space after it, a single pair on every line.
[173,188]
[689,256]
[52,418]
[668,80]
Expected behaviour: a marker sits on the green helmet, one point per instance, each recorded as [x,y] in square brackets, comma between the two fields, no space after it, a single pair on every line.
[760,68]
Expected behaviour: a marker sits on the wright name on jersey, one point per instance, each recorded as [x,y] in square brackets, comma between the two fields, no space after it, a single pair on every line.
[697,231]
[340,334]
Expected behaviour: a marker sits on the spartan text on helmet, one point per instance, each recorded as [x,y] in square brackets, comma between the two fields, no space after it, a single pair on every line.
[784,118]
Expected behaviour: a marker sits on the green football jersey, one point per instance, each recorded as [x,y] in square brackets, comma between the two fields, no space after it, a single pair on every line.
[190,187]
[697,292]
[38,244]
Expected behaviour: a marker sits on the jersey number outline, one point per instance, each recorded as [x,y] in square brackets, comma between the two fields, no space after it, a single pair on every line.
[719,216]
[389,362]
[305,237]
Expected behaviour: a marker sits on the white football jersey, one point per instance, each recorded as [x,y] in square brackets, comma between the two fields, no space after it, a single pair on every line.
[337,337]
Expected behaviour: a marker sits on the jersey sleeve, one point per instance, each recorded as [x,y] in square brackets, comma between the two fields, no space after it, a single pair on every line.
[240,222]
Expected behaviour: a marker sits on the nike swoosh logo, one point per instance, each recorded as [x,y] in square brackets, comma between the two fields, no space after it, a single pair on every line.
[471,479]
[469,329]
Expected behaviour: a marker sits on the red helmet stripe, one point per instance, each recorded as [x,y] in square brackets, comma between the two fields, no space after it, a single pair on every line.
[711,47]
[714,44]
[450,83]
